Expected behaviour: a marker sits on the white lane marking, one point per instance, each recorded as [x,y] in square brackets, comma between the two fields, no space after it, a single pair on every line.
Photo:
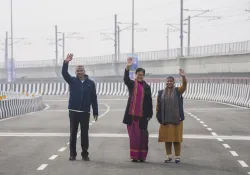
[234,153]
[101,110]
[219,139]
[53,157]
[68,143]
[242,163]
[189,136]
[198,119]
[214,134]
[47,107]
[209,129]
[108,99]
[42,167]
[205,125]
[201,122]
[226,146]
[248,172]
[62,149]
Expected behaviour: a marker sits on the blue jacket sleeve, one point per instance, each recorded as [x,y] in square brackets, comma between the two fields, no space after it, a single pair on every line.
[94,101]
[67,77]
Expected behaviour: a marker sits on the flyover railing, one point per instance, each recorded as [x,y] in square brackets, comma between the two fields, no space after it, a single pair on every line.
[198,51]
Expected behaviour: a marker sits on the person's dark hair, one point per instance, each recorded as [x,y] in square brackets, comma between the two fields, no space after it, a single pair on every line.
[170,77]
[140,70]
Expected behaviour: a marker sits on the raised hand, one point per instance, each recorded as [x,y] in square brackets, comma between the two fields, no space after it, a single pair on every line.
[69,57]
[129,64]
[182,73]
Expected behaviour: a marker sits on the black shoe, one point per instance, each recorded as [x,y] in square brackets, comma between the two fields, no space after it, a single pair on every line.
[142,160]
[85,158]
[72,158]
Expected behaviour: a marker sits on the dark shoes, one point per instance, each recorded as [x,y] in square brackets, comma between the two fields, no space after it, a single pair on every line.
[85,158]
[71,158]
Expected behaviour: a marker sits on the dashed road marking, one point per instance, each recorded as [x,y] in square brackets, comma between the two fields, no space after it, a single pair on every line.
[243,164]
[62,149]
[42,167]
[226,146]
[214,134]
[53,157]
[219,139]
[234,153]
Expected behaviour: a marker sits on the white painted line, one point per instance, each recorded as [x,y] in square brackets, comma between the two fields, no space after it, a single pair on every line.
[198,119]
[248,172]
[68,143]
[201,122]
[234,153]
[107,99]
[214,134]
[205,125]
[42,167]
[53,157]
[47,107]
[226,146]
[242,163]
[62,149]
[209,129]
[219,139]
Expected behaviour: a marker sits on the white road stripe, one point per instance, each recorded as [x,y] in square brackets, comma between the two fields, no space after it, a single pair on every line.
[111,135]
[219,139]
[42,167]
[53,157]
[62,149]
[243,164]
[234,153]
[214,134]
[209,129]
[68,143]
[201,122]
[198,119]
[205,125]
[226,146]
[248,172]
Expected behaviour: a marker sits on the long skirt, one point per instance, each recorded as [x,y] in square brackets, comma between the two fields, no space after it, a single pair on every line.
[171,133]
[138,141]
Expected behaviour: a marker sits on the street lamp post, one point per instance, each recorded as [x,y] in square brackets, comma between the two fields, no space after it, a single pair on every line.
[133,23]
[12,45]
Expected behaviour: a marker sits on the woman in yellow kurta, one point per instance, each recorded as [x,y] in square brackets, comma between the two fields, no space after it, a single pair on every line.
[170,114]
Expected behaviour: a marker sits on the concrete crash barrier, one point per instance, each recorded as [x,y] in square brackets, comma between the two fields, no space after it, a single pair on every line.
[20,105]
[237,93]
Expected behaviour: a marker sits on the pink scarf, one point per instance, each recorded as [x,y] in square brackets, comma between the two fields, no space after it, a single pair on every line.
[136,104]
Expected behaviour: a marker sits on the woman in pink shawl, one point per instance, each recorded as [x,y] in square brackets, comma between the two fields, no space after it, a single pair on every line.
[138,112]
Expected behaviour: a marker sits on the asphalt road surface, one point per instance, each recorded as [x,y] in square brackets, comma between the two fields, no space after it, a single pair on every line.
[216,141]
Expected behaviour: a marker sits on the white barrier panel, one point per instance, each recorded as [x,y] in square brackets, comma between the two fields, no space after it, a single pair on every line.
[19,106]
[238,94]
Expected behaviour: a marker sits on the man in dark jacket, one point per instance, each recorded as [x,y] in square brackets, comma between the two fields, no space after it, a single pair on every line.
[82,95]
